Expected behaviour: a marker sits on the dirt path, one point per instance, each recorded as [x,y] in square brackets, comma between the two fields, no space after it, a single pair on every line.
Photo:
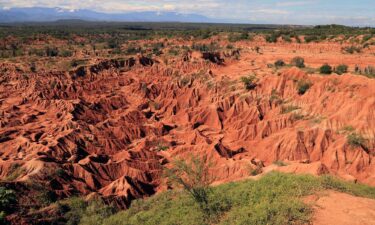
[333,208]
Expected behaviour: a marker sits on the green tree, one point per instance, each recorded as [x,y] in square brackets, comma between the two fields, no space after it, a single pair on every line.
[325,69]
[341,69]
[193,176]
[303,86]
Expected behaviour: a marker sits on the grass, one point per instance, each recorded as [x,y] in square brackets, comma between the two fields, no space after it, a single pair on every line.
[246,202]
[280,163]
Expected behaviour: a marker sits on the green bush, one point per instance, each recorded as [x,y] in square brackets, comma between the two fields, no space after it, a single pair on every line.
[352,49]
[325,69]
[341,69]
[81,212]
[311,38]
[298,62]
[249,82]
[272,38]
[8,199]
[356,140]
[279,63]
[303,86]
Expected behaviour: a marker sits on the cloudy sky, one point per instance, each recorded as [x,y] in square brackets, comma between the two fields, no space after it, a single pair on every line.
[350,12]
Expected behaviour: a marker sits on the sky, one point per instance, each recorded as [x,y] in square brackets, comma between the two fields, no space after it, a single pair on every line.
[307,12]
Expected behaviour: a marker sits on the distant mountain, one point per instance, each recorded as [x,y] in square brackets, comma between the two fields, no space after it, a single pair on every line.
[39,14]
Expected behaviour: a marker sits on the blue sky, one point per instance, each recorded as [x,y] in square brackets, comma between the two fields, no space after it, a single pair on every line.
[350,12]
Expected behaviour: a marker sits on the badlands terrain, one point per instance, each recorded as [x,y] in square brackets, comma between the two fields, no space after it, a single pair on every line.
[98,123]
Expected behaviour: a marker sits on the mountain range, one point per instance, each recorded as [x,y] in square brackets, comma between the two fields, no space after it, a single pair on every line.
[40,14]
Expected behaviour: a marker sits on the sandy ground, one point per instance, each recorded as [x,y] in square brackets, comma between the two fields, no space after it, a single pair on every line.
[334,208]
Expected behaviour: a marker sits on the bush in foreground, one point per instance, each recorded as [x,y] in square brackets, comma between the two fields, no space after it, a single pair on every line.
[246,202]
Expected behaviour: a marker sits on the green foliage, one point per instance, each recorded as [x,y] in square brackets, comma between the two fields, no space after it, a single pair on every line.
[361,190]
[212,47]
[234,37]
[246,202]
[352,49]
[303,86]
[193,176]
[81,212]
[367,37]
[287,38]
[8,199]
[279,63]
[298,62]
[249,82]
[311,38]
[272,38]
[341,69]
[325,69]
[356,140]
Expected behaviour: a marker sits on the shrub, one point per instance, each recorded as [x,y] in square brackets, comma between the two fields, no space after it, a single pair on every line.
[272,38]
[8,199]
[279,63]
[86,213]
[356,140]
[352,49]
[52,51]
[194,177]
[303,86]
[325,69]
[341,69]
[287,38]
[311,38]
[298,62]
[249,82]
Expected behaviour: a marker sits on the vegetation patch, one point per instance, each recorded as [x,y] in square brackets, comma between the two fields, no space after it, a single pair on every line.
[341,69]
[303,86]
[356,140]
[298,62]
[249,82]
[246,202]
[325,69]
